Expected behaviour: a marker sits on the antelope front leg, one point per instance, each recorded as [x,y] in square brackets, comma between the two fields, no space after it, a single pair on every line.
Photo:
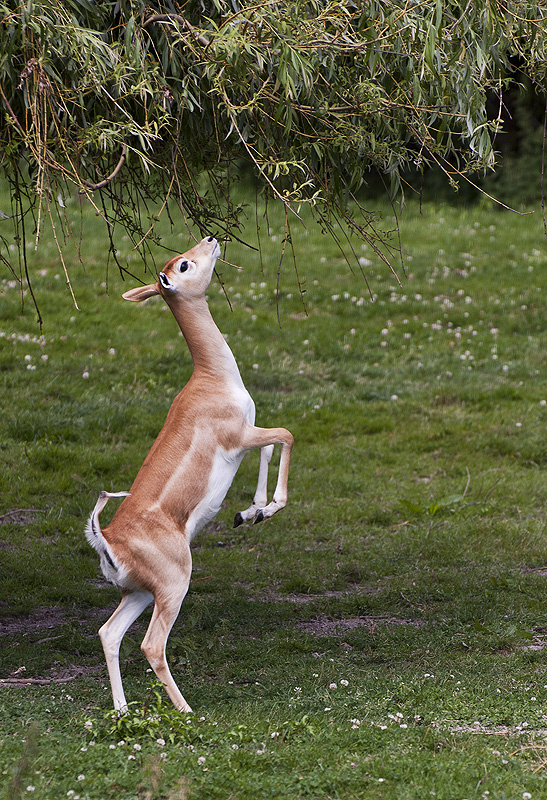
[265,438]
[261,495]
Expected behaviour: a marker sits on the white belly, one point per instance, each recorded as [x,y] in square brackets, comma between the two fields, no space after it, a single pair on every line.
[225,466]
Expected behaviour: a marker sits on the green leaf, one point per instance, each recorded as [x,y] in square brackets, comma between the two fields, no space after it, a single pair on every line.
[416,509]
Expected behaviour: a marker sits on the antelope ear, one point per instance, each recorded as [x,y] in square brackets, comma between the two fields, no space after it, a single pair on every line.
[141,293]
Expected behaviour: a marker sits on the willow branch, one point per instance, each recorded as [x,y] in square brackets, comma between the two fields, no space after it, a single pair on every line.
[182,21]
[117,168]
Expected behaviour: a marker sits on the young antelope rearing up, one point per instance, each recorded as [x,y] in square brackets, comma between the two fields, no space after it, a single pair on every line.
[184,478]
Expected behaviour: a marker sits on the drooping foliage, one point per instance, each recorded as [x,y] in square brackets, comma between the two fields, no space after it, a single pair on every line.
[148,107]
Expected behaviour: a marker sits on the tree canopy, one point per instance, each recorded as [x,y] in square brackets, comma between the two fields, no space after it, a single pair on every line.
[160,105]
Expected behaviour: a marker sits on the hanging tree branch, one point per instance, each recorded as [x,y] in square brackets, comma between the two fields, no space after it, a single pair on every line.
[94,186]
[309,98]
[170,18]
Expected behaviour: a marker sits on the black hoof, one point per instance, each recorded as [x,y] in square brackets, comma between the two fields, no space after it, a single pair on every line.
[238,520]
[259,517]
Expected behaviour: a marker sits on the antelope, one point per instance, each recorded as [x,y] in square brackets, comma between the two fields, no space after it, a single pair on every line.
[145,550]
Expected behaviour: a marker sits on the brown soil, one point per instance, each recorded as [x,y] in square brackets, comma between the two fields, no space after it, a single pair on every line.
[19,516]
[335,627]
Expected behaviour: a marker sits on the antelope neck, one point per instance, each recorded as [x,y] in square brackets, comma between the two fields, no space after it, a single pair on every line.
[208,348]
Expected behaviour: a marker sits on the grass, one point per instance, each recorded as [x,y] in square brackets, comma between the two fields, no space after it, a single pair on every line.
[383,636]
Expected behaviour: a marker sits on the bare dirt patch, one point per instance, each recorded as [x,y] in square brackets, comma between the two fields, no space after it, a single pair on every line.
[300,598]
[335,627]
[44,619]
[20,516]
[44,622]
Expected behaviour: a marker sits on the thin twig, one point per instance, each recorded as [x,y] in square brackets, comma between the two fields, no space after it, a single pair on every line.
[467,484]
[285,239]
[60,251]
[543,170]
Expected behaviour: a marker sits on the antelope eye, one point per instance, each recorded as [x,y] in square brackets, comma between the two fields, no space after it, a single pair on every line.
[183,266]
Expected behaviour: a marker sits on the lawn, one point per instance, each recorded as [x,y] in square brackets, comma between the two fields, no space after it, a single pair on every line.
[381,637]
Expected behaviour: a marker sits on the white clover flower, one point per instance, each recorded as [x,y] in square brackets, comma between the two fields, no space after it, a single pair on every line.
[333,686]
[344,682]
[81,777]
[201,760]
[88,724]
[137,746]
[32,788]
[85,374]
[235,747]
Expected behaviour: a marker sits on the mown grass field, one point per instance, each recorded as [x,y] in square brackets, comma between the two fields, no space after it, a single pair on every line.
[383,636]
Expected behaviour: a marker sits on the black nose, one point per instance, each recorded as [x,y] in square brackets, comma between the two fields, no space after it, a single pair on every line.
[211,239]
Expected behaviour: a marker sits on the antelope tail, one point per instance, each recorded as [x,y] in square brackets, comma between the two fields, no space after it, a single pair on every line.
[94,536]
